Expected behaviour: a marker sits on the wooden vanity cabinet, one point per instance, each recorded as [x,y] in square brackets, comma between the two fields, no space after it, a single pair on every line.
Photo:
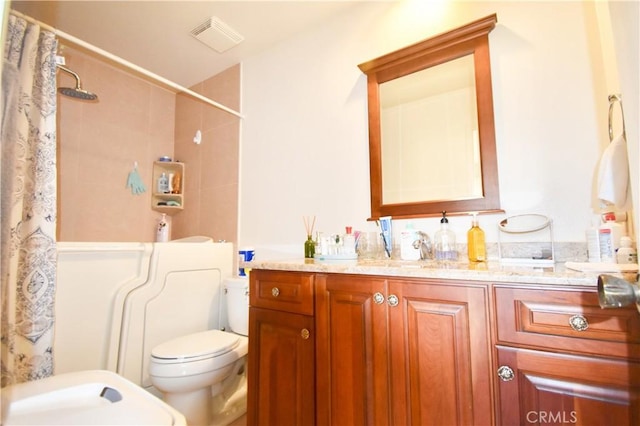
[564,360]
[402,352]
[281,360]
[340,349]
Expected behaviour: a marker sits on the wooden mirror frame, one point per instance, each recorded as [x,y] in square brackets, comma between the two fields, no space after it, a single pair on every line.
[473,39]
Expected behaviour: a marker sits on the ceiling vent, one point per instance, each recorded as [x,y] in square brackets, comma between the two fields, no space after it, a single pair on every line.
[216,34]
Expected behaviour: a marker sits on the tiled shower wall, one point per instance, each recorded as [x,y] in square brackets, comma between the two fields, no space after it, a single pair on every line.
[211,181]
[136,120]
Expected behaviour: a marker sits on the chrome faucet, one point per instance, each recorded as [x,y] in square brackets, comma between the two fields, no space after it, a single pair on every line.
[424,244]
[615,292]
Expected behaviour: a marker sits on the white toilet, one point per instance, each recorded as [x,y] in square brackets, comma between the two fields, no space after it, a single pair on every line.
[202,375]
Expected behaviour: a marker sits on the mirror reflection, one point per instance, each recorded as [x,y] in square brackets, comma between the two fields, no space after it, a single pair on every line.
[437,104]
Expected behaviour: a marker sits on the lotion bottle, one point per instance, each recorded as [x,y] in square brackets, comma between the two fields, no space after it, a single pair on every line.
[162,233]
[163,184]
[476,247]
[593,240]
[176,183]
[445,241]
[609,235]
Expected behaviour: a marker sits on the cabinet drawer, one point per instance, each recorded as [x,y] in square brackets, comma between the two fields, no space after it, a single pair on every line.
[282,291]
[570,320]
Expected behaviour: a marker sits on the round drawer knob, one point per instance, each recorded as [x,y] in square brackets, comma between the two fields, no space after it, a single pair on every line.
[578,323]
[393,300]
[378,298]
[505,373]
[275,291]
[305,333]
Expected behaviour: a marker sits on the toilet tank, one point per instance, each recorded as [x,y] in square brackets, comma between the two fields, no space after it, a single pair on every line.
[237,292]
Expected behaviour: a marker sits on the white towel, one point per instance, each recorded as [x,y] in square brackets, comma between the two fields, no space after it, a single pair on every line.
[613,174]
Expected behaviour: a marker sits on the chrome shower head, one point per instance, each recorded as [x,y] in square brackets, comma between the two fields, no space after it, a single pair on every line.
[78,92]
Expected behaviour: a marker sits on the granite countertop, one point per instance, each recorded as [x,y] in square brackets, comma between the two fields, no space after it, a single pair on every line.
[491,271]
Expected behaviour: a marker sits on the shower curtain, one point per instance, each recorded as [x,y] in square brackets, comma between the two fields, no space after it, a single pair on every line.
[28,202]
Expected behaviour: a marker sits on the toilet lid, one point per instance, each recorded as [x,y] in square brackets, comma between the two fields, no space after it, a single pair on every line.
[211,343]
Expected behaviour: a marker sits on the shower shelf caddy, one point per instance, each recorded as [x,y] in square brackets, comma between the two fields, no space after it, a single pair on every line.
[158,199]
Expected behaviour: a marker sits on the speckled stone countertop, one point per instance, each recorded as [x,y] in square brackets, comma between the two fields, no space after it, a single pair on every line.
[491,271]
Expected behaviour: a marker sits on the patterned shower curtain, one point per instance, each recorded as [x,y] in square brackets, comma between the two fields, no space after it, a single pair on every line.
[28,202]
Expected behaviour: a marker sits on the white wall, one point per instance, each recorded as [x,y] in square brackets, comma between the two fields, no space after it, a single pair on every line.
[304,138]
[625,22]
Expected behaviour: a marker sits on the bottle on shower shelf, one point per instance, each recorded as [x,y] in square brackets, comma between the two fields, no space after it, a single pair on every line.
[163,184]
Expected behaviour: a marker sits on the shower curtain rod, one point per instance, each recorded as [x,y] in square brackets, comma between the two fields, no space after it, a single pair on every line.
[124,62]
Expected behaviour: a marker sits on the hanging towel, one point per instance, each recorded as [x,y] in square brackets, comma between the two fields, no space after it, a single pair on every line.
[613,174]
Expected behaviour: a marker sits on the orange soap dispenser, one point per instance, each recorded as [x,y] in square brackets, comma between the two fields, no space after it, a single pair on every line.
[475,241]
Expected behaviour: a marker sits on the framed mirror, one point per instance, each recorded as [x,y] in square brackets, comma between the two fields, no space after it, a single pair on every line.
[431,128]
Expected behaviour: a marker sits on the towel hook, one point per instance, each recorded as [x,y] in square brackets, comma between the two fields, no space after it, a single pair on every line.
[616,97]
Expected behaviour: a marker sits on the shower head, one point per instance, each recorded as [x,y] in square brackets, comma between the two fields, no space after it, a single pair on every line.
[77,92]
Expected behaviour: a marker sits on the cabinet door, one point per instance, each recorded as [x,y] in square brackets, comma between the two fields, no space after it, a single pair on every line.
[440,354]
[550,388]
[352,378]
[280,368]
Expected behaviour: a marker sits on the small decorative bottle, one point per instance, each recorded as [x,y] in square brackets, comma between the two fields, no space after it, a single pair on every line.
[309,247]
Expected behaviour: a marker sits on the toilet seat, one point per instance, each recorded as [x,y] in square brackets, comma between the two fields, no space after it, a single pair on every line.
[195,347]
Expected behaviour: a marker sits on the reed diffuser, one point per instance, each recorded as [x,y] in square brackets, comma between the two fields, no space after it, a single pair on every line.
[309,244]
